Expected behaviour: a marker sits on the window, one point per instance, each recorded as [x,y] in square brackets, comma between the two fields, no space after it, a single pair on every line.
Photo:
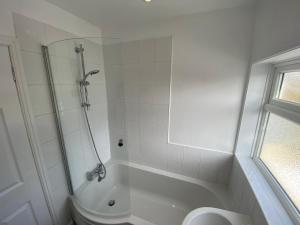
[290,87]
[278,142]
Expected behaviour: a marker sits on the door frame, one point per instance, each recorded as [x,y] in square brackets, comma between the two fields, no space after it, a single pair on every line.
[23,96]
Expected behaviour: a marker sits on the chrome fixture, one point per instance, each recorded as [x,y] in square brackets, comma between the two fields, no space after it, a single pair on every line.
[83,81]
[84,91]
[111,203]
[46,57]
[100,169]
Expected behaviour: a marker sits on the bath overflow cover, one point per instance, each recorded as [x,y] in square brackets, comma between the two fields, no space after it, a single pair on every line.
[111,202]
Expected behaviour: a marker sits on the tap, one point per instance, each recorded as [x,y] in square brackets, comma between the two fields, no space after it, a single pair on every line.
[98,171]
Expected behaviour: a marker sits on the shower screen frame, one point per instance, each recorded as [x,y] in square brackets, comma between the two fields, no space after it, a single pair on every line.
[49,74]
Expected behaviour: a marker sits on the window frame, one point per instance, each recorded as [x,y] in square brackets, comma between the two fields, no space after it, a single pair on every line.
[285,109]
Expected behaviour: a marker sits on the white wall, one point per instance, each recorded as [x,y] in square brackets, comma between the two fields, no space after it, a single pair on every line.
[277,27]
[139,74]
[44,12]
[243,198]
[210,55]
[209,67]
[31,34]
[276,30]
[66,71]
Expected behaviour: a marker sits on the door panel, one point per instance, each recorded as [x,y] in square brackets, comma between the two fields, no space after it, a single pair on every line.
[9,172]
[21,197]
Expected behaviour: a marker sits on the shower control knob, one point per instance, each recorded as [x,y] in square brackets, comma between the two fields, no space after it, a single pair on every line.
[120,143]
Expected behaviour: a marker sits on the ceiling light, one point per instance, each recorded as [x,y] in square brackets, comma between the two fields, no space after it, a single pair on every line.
[147,1]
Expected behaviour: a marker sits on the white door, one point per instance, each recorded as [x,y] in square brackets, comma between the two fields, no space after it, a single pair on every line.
[21,197]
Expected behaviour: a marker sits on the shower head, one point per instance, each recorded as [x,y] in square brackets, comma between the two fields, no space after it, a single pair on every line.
[93,72]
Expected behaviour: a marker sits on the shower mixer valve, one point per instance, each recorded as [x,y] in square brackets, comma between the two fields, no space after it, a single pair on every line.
[98,171]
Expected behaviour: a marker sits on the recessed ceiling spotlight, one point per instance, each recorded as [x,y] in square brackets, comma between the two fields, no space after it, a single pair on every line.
[147,1]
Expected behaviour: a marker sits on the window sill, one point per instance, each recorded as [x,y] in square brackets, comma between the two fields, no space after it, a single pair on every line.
[270,205]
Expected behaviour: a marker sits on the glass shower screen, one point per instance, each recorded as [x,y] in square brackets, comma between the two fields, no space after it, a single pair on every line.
[86,101]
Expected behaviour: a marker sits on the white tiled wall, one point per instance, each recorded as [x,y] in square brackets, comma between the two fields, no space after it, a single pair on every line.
[66,72]
[243,198]
[30,35]
[142,70]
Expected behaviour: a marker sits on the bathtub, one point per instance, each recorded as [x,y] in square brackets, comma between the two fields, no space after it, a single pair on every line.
[143,196]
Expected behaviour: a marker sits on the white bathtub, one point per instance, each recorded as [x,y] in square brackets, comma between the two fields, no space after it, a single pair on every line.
[144,196]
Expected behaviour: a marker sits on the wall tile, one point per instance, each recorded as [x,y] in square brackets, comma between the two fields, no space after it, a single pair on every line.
[75,154]
[154,94]
[117,114]
[215,166]
[147,51]
[67,97]
[64,70]
[257,216]
[46,128]
[146,74]
[243,198]
[130,74]
[62,207]
[163,73]
[40,99]
[89,153]
[97,94]
[133,140]
[154,113]
[131,52]
[112,54]
[31,35]
[98,116]
[174,158]
[154,157]
[191,162]
[132,111]
[52,153]
[57,177]
[71,120]
[34,68]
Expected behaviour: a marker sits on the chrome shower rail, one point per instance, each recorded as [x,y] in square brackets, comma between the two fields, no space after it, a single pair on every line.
[100,169]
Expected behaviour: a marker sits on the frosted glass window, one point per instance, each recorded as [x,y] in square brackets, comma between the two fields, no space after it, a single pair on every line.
[280,152]
[290,87]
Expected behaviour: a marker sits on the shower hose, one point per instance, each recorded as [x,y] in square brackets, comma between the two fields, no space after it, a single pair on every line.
[85,105]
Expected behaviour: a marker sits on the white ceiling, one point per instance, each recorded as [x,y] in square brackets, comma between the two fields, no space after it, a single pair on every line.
[116,13]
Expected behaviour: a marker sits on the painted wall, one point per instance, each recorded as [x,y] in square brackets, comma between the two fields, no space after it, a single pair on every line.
[209,67]
[276,28]
[45,12]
